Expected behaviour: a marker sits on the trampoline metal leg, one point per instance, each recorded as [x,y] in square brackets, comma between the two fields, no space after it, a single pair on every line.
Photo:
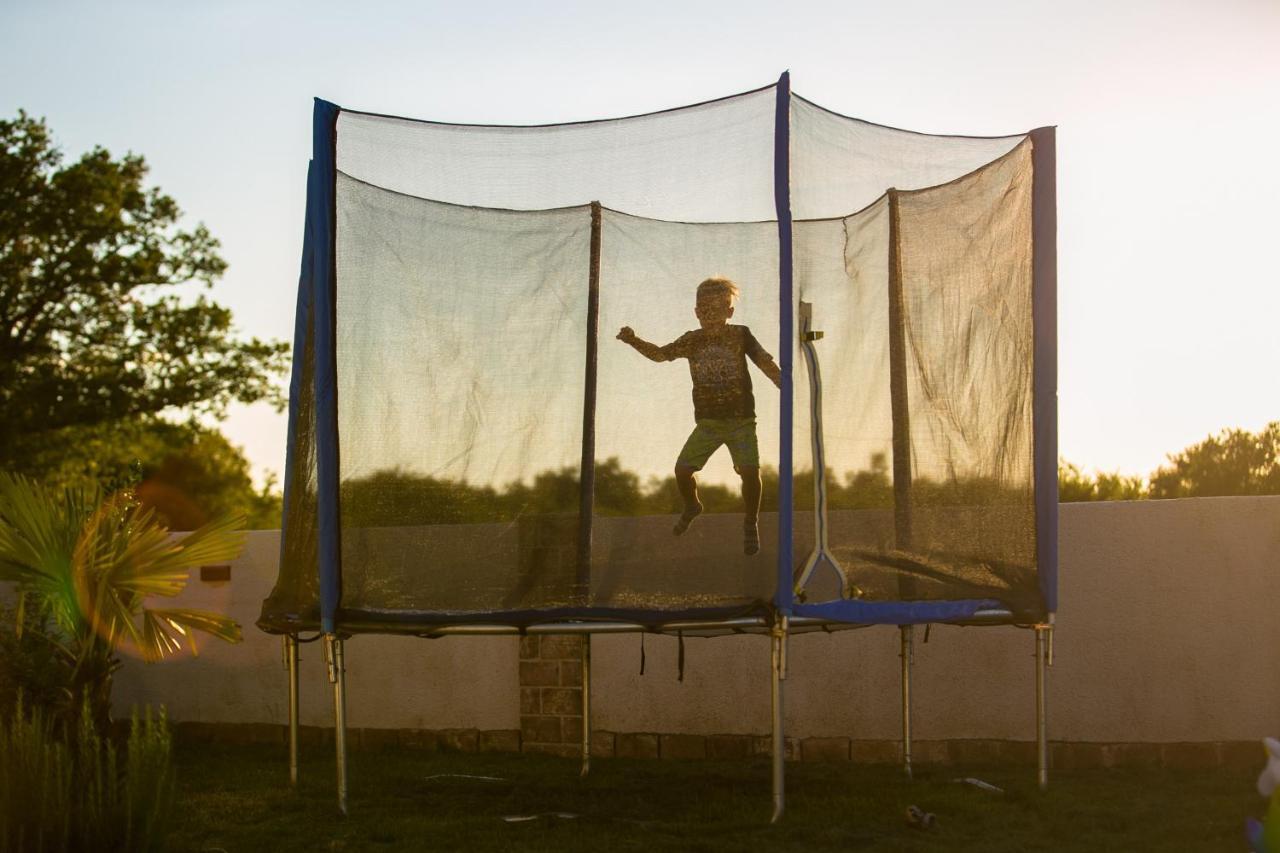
[338,678]
[908,651]
[778,637]
[1043,634]
[586,705]
[291,658]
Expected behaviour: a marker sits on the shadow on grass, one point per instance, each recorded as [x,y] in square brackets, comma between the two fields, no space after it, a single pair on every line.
[236,798]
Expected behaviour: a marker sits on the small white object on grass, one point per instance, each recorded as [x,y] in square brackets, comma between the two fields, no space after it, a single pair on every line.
[978,783]
[524,818]
[463,776]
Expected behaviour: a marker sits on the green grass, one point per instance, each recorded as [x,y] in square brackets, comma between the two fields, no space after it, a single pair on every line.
[236,798]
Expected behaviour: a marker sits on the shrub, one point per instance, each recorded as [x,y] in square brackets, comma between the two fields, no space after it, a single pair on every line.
[81,793]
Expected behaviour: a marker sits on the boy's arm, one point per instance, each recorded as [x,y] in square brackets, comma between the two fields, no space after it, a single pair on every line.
[763,360]
[653,352]
[768,367]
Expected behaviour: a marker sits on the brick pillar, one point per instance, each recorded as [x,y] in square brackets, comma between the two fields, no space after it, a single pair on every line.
[551,694]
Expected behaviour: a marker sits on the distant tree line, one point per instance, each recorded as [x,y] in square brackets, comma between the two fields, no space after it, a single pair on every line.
[1233,462]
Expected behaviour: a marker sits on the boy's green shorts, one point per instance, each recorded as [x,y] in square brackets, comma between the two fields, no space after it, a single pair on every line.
[738,434]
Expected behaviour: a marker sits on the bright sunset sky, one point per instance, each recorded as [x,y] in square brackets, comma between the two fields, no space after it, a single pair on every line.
[1168,116]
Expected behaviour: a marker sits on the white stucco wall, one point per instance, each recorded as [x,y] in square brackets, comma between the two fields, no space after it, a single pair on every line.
[1167,632]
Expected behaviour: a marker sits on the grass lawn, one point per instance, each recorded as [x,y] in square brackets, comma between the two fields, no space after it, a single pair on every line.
[236,798]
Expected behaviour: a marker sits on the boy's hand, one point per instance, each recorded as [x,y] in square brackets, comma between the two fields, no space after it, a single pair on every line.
[626,335]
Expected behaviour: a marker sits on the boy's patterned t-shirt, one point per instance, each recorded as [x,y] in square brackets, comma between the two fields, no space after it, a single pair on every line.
[718,367]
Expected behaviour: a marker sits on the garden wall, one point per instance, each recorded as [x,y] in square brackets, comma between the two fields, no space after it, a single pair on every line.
[1167,633]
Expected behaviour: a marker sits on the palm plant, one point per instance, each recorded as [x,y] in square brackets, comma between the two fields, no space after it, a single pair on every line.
[90,562]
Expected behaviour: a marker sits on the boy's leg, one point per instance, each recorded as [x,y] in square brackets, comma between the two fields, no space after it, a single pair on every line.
[745,450]
[688,486]
[702,442]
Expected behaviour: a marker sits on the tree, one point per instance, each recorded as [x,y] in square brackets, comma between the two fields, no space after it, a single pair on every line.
[186,472]
[1234,462]
[91,329]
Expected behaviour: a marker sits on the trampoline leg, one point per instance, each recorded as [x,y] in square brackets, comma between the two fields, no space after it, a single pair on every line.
[778,637]
[1042,728]
[338,678]
[586,705]
[291,658]
[907,654]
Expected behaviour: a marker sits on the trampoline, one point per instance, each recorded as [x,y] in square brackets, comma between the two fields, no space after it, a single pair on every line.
[476,447]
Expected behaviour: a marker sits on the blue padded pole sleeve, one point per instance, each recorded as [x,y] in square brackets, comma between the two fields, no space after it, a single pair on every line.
[1044,312]
[786,332]
[322,213]
[299,347]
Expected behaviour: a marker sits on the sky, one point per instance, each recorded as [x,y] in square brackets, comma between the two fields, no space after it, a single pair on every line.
[1168,118]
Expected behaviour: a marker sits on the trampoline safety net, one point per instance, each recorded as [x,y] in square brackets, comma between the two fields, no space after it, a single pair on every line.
[473,440]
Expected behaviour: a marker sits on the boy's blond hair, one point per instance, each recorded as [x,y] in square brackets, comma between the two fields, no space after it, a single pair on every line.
[716,286]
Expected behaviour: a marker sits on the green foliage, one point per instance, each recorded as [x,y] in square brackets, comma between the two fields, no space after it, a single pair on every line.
[87,564]
[187,472]
[30,665]
[90,330]
[1075,485]
[81,794]
[1234,462]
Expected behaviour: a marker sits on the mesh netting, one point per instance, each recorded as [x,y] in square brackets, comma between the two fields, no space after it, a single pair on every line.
[504,456]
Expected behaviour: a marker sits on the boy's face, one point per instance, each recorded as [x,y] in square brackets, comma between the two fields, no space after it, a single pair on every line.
[713,309]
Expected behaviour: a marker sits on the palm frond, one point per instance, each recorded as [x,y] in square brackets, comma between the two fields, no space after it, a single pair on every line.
[166,629]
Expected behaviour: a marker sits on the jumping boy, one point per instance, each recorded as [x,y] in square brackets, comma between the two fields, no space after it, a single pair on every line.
[724,410]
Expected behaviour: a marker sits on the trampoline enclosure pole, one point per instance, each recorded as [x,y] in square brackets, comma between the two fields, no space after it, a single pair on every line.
[291,658]
[338,678]
[778,636]
[908,652]
[586,705]
[1042,728]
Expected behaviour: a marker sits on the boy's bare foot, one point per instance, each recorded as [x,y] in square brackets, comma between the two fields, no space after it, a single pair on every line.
[750,539]
[686,518]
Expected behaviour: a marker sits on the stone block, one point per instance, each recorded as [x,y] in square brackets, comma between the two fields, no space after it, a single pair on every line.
[560,647]
[539,674]
[1192,756]
[562,700]
[682,746]
[194,732]
[1243,754]
[633,745]
[1138,755]
[458,740]
[763,745]
[728,746]
[602,744]
[974,751]
[530,700]
[419,739]
[313,736]
[500,740]
[1074,755]
[570,673]
[824,749]
[571,729]
[562,750]
[875,751]
[529,647]
[250,733]
[930,752]
[540,729]
[379,738]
